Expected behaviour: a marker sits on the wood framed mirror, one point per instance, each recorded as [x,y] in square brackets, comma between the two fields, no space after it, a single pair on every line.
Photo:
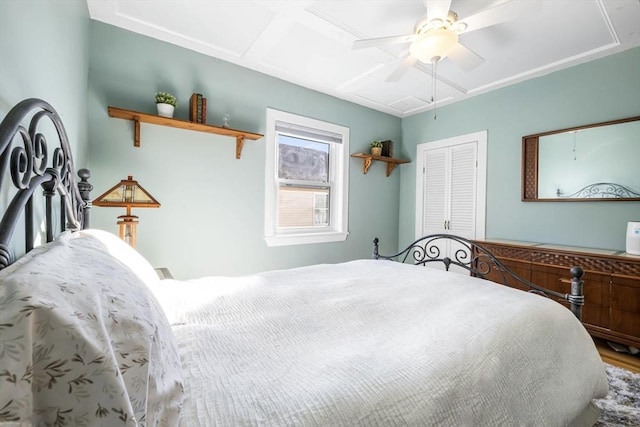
[596,162]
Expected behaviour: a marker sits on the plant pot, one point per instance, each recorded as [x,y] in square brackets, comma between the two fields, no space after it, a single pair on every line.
[165,110]
[376,151]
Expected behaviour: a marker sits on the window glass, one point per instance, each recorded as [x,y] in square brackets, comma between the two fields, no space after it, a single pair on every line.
[299,207]
[302,159]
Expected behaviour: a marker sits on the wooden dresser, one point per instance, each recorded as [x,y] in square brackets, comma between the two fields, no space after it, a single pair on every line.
[611,282]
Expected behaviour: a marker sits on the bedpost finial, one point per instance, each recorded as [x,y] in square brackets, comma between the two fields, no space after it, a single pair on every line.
[84,186]
[576,272]
[84,174]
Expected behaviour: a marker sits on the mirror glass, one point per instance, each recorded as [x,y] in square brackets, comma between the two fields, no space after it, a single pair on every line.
[591,163]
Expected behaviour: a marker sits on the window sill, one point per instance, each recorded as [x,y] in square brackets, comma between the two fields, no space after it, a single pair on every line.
[305,239]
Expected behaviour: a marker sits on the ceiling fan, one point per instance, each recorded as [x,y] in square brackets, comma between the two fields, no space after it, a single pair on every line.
[436,35]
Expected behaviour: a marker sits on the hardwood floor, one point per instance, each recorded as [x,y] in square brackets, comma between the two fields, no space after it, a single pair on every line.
[623,360]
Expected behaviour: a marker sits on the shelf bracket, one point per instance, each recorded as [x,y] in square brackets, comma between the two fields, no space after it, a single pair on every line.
[136,131]
[366,164]
[390,167]
[239,145]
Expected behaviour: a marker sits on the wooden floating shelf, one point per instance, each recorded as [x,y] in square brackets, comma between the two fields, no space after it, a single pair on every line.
[367,160]
[138,117]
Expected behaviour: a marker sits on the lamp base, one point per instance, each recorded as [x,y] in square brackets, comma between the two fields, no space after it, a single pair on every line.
[127,226]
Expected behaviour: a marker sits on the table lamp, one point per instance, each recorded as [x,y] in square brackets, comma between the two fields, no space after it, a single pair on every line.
[127,194]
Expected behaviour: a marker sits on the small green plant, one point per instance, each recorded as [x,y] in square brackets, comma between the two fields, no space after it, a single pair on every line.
[376,144]
[166,98]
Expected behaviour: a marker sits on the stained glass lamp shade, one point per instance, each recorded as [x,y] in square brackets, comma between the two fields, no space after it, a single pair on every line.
[127,194]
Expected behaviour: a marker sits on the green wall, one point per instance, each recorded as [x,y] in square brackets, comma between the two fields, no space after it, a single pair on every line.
[212,215]
[44,49]
[601,90]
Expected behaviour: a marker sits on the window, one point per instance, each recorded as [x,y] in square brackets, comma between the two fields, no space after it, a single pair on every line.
[306,180]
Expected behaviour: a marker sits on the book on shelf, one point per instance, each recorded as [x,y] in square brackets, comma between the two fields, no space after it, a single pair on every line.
[197,107]
[387,148]
[192,107]
[203,119]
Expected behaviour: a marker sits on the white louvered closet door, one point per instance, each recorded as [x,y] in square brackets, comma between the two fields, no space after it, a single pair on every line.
[462,190]
[451,191]
[449,185]
[449,196]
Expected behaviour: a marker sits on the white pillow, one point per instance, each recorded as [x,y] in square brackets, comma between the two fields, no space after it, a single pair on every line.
[124,253]
[83,341]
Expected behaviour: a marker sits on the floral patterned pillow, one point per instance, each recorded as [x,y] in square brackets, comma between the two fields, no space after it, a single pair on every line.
[83,341]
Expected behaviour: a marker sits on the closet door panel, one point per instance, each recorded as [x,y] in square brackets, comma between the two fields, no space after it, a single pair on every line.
[463,190]
[435,191]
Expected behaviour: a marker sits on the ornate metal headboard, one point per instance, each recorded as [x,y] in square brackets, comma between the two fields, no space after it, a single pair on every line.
[479,262]
[32,165]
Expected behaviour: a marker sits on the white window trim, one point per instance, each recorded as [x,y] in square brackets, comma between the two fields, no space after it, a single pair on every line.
[339,201]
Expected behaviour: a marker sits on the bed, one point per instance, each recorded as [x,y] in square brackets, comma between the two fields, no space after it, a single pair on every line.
[89,335]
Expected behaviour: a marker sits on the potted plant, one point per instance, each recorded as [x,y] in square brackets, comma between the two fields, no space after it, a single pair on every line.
[166,104]
[376,148]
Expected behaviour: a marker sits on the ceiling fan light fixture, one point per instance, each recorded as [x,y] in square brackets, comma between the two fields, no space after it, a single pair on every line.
[433,45]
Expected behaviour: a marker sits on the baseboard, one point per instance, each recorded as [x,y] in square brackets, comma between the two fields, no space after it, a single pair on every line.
[626,361]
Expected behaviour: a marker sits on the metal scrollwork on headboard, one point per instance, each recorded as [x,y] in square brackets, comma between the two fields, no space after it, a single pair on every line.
[26,155]
[479,262]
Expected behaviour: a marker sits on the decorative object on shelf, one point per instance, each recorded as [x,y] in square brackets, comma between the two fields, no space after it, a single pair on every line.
[127,194]
[166,104]
[225,120]
[376,148]
[138,117]
[367,160]
[387,148]
[198,108]
[633,238]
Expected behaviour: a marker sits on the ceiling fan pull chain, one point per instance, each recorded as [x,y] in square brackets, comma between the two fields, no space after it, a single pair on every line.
[434,72]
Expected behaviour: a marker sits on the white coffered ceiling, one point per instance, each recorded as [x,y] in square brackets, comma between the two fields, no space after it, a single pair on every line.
[309,42]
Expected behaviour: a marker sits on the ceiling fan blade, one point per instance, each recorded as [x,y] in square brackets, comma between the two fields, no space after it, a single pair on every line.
[504,12]
[402,69]
[464,57]
[381,41]
[437,8]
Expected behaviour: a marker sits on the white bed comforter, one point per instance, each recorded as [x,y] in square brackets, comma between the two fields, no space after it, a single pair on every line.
[377,343]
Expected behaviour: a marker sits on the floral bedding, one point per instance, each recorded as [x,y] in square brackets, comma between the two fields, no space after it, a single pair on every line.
[83,341]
